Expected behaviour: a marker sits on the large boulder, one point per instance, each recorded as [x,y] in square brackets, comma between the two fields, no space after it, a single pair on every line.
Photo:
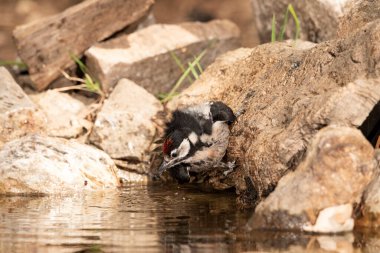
[36,164]
[18,115]
[125,127]
[357,14]
[320,194]
[319,19]
[145,56]
[288,92]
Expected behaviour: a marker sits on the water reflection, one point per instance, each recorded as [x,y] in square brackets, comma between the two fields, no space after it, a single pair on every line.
[152,218]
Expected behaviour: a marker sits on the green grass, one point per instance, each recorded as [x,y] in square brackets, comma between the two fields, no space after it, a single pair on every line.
[16,63]
[87,83]
[273,37]
[180,65]
[90,83]
[192,72]
[293,13]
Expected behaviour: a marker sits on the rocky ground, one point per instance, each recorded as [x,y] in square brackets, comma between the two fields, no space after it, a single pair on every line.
[301,161]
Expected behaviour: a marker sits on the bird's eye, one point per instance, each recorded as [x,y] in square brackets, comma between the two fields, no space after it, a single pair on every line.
[173,154]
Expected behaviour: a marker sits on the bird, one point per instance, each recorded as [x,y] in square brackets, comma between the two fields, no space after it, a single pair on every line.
[196,139]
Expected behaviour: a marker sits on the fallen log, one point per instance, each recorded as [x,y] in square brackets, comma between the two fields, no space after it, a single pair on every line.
[45,45]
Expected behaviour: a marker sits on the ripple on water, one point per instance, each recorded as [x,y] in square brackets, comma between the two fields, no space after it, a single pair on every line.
[151,218]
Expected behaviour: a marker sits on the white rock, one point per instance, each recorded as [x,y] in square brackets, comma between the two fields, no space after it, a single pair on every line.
[333,219]
[65,114]
[124,128]
[45,165]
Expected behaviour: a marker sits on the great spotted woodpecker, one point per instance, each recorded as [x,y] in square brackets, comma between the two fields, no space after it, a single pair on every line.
[196,139]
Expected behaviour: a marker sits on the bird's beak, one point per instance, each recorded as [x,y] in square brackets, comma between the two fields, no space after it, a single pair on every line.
[165,165]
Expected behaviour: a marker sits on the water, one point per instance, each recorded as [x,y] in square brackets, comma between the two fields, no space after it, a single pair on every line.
[152,218]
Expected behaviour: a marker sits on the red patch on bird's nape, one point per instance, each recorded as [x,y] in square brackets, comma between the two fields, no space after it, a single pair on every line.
[166,147]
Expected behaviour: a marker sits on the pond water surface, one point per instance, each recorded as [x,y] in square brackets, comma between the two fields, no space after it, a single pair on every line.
[152,218]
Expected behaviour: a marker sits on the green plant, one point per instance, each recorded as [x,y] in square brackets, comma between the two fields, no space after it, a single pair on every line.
[16,63]
[292,12]
[194,68]
[86,83]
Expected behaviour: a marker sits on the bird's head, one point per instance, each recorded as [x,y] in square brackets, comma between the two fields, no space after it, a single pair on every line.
[176,148]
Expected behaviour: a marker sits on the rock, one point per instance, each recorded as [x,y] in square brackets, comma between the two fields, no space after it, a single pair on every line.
[319,195]
[287,93]
[45,165]
[65,114]
[45,45]
[18,115]
[357,14]
[369,211]
[334,219]
[319,19]
[129,176]
[145,56]
[124,128]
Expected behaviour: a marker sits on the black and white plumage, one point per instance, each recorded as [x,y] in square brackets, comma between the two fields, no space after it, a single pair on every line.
[196,139]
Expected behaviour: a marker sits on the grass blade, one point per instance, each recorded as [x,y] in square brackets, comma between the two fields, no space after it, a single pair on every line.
[199,57]
[196,63]
[183,76]
[200,69]
[193,70]
[296,20]
[177,60]
[179,64]
[273,37]
[284,24]
[17,63]
[81,65]
[177,85]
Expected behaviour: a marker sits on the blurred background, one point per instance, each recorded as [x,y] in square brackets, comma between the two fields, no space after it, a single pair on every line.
[17,12]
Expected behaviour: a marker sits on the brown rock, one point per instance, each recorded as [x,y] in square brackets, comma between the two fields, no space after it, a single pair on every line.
[319,195]
[369,213]
[145,56]
[319,19]
[288,94]
[45,45]
[18,115]
[357,14]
